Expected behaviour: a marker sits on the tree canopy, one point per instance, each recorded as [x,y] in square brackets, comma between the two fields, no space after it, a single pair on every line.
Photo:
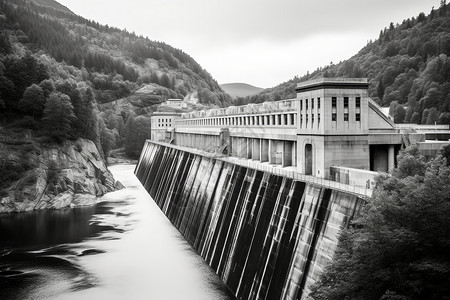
[137,131]
[399,248]
[33,101]
[58,115]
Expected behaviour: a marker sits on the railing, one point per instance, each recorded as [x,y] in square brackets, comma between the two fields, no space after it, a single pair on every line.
[277,170]
[286,105]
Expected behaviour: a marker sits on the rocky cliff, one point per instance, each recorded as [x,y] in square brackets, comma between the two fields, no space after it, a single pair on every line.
[68,175]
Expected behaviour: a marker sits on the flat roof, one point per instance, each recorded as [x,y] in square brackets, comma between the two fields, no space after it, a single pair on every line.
[332,82]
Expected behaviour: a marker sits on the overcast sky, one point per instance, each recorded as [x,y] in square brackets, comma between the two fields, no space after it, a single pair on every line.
[263,42]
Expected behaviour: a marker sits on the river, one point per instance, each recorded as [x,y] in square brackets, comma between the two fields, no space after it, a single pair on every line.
[122,248]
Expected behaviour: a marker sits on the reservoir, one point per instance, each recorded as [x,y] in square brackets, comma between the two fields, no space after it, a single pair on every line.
[122,248]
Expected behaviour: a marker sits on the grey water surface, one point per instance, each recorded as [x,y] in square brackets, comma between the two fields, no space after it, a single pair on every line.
[123,248]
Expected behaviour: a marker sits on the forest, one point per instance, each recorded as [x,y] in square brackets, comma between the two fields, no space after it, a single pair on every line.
[48,53]
[59,72]
[398,248]
[408,68]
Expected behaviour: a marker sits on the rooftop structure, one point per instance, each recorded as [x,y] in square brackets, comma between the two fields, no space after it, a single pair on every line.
[175,103]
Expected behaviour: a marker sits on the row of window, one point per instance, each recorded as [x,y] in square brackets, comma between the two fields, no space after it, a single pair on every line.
[163,120]
[310,124]
[307,102]
[271,120]
[334,102]
[357,109]
[357,117]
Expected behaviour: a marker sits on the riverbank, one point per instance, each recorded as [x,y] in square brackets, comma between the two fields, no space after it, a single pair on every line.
[72,174]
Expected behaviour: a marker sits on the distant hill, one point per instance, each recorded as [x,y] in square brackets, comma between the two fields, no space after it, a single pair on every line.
[240,89]
[408,67]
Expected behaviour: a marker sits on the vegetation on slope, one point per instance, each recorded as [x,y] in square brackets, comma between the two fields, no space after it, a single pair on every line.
[408,66]
[57,67]
[399,248]
[115,61]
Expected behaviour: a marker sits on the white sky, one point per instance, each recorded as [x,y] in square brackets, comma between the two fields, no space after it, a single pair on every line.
[263,42]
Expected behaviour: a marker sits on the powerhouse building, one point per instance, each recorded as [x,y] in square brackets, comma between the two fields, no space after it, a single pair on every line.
[331,123]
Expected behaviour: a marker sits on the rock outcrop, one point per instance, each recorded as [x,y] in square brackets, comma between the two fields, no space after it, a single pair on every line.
[70,175]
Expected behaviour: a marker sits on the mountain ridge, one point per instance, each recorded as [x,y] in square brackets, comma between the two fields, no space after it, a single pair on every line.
[240,89]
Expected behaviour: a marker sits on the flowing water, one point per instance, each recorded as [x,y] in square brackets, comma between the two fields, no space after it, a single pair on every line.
[122,248]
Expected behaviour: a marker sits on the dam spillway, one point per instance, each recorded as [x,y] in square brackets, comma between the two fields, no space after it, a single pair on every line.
[266,235]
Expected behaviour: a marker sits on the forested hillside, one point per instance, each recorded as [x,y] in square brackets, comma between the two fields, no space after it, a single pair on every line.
[115,61]
[408,65]
[61,74]
[51,57]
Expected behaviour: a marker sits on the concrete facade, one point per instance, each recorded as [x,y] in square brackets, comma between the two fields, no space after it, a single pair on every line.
[161,122]
[331,123]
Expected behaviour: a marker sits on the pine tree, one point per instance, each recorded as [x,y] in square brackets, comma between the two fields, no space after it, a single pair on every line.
[58,115]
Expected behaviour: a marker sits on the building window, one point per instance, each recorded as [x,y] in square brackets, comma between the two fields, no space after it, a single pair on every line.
[333,102]
[312,103]
[318,103]
[358,117]
[292,119]
[358,101]
[345,102]
[346,117]
[301,104]
[307,104]
[262,120]
[333,117]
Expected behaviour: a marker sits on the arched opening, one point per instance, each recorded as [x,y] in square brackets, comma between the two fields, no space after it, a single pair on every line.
[308,159]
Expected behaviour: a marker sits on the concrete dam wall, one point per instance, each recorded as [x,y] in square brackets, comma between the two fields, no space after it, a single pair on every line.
[267,236]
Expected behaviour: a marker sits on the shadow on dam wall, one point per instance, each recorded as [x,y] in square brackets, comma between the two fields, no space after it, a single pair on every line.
[266,236]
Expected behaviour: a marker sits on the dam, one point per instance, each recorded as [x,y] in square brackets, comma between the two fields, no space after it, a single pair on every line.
[262,191]
[266,234]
